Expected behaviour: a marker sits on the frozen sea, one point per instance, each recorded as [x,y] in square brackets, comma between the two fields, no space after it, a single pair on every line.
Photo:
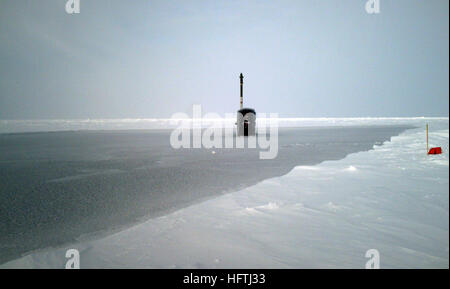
[125,199]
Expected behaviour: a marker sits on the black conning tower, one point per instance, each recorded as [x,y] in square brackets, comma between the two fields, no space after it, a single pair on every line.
[246,117]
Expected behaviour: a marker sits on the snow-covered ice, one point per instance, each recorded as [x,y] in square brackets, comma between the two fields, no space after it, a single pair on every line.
[46,125]
[393,198]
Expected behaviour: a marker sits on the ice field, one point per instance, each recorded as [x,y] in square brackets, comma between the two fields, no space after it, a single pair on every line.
[393,198]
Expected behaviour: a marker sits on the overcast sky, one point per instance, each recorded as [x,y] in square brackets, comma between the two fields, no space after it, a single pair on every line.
[144,59]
